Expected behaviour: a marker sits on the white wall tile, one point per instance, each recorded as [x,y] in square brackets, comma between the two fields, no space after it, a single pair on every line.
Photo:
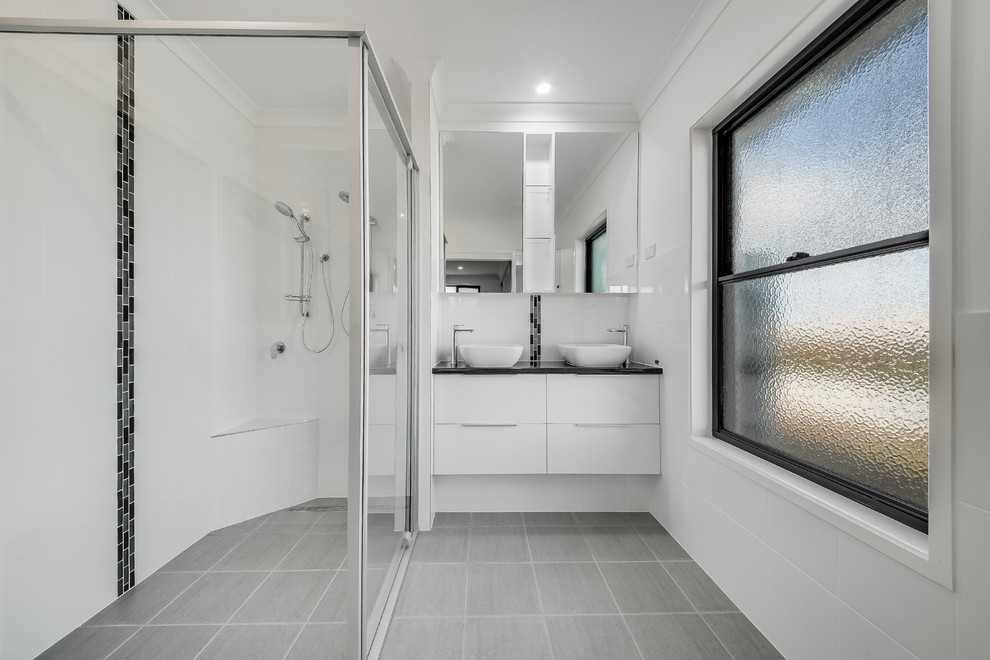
[701,473]
[21,255]
[495,318]
[858,638]
[744,501]
[704,532]
[20,378]
[917,613]
[972,581]
[972,391]
[802,617]
[805,540]
[79,373]
[744,574]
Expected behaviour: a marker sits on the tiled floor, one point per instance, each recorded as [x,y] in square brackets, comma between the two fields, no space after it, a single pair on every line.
[515,586]
[272,587]
[562,586]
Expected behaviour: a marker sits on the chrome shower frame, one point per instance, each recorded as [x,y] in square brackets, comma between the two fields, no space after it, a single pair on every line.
[364,72]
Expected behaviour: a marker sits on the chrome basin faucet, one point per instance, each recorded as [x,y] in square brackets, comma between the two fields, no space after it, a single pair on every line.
[453,342]
[625,338]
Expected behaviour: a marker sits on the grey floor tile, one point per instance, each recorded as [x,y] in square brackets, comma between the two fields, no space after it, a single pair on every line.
[495,519]
[433,590]
[290,522]
[382,547]
[89,643]
[641,588]
[166,643]
[323,502]
[502,589]
[441,545]
[596,518]
[320,552]
[144,601]
[245,527]
[436,639]
[615,543]
[285,597]
[504,638]
[573,588]
[498,544]
[741,637]
[703,593]
[681,636]
[541,518]
[451,519]
[258,552]
[557,544]
[331,607]
[204,553]
[662,543]
[213,599]
[591,638]
[251,643]
[382,522]
[324,641]
[330,522]
[641,518]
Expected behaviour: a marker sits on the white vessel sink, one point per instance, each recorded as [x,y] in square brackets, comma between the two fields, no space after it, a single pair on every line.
[490,355]
[594,355]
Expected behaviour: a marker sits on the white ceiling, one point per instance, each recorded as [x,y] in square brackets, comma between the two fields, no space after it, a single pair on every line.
[492,52]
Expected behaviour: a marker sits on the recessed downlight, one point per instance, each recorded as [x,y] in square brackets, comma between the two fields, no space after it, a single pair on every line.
[544,88]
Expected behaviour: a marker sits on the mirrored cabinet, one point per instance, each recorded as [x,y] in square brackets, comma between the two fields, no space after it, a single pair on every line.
[539,212]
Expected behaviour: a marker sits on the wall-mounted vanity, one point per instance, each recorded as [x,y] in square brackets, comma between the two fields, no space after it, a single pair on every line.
[523,212]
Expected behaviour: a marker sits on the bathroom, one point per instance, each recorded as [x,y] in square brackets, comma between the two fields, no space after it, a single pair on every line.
[229,428]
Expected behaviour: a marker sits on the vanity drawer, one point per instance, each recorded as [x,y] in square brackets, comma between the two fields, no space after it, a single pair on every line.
[603,399]
[480,449]
[490,399]
[603,448]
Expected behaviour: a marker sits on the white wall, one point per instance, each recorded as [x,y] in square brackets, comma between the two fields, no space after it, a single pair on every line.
[58,326]
[815,585]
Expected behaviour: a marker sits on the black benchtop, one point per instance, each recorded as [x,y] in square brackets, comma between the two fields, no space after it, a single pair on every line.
[545,367]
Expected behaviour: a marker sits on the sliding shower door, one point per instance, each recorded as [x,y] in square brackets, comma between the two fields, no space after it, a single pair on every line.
[388,326]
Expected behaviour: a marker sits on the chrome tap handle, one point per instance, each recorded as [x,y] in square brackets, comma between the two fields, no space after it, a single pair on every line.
[458,327]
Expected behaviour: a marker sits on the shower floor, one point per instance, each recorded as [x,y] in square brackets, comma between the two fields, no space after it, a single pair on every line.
[483,585]
[271,587]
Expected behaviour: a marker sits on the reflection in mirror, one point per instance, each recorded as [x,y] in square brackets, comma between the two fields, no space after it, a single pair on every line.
[595,190]
[482,209]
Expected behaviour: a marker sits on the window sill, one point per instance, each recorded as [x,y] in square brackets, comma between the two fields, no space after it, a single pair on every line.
[899,542]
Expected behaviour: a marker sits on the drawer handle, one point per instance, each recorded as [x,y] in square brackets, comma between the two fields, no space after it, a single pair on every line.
[487,425]
[604,425]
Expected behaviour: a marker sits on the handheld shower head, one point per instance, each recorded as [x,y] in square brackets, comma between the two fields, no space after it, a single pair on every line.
[286,210]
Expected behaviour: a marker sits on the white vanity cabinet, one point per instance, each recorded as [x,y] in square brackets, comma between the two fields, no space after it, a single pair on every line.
[490,424]
[546,424]
[603,424]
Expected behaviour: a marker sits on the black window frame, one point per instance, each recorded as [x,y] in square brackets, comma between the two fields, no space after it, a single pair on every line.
[588,266]
[834,38]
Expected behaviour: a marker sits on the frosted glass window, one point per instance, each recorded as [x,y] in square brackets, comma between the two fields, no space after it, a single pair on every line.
[840,158]
[836,372]
[821,359]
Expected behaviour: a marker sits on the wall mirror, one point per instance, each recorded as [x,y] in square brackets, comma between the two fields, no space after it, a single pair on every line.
[594,190]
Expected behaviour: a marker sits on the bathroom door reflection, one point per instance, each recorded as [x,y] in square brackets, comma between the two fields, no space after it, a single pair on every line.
[387,483]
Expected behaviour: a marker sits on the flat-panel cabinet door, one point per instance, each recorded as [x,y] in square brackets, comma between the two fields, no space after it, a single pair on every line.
[485,399]
[603,449]
[509,449]
[603,399]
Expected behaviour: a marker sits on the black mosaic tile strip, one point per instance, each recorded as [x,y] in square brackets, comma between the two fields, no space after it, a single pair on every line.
[125,308]
[535,326]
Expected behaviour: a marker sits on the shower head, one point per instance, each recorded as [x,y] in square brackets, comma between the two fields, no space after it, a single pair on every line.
[345,197]
[286,210]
